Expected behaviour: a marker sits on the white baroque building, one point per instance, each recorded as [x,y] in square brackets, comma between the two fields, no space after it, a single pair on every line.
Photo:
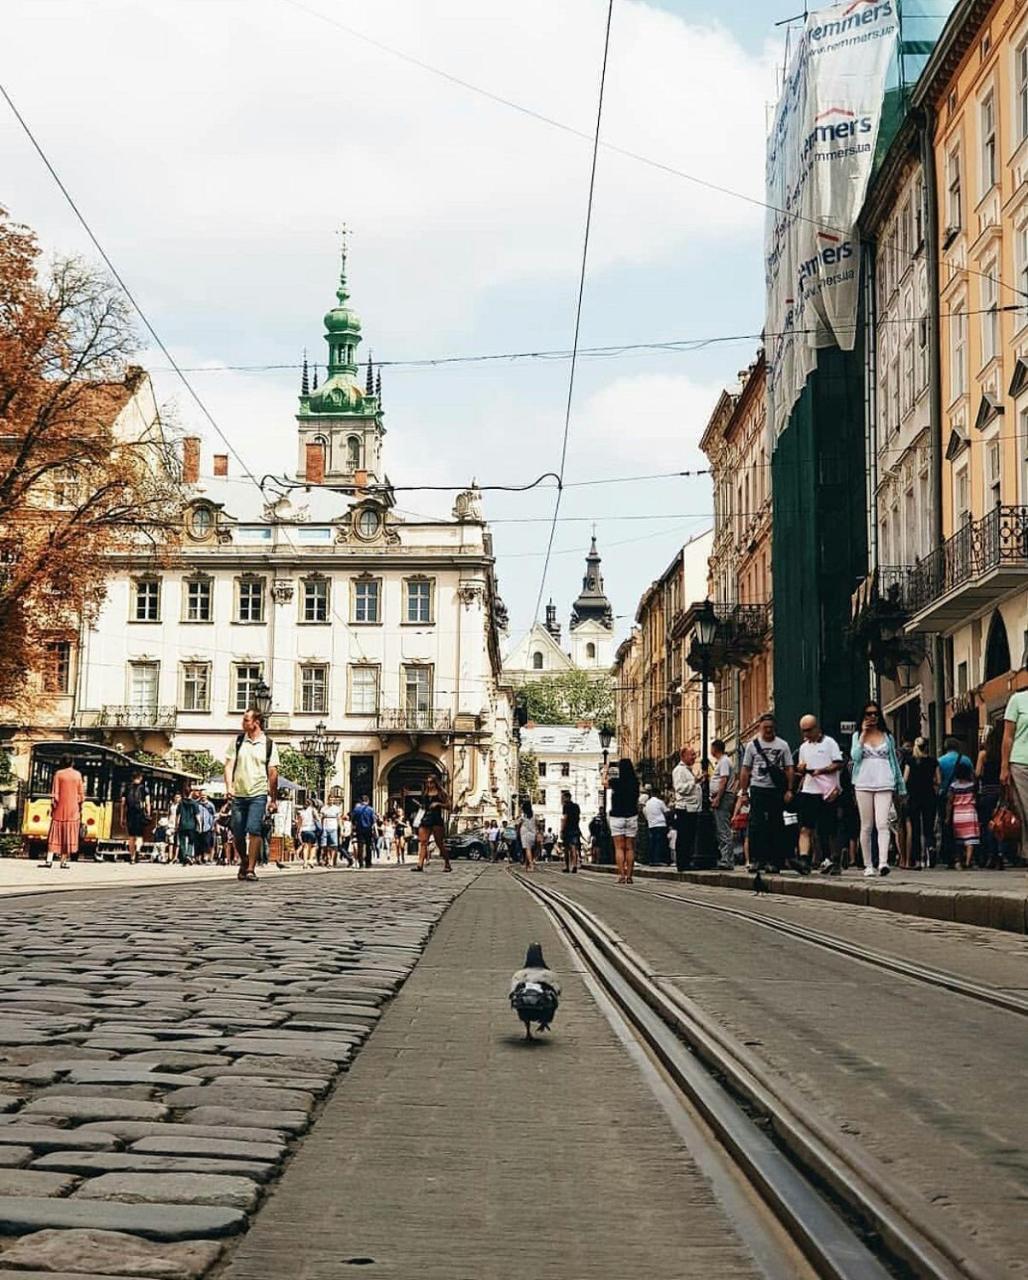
[569,758]
[385,629]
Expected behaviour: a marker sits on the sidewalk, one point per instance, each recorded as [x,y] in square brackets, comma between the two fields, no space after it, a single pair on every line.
[454,1151]
[989,899]
[24,875]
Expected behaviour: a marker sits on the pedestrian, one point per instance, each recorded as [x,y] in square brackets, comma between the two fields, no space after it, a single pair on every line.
[227,848]
[365,820]
[67,797]
[624,815]
[187,828]
[251,778]
[135,812]
[962,814]
[688,803]
[877,781]
[527,833]
[988,768]
[160,838]
[819,761]
[722,804]
[433,823]
[331,847]
[307,825]
[400,837]
[346,838]
[922,778]
[598,825]
[570,831]
[204,827]
[953,754]
[656,814]
[766,777]
[549,841]
[1014,755]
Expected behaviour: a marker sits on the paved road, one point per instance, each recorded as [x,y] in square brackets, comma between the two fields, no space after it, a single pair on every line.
[929,1082]
[160,1052]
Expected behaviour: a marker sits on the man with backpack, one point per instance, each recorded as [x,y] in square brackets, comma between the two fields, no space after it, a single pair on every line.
[135,812]
[364,821]
[766,777]
[251,782]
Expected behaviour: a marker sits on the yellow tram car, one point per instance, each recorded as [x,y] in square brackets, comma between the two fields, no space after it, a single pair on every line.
[105,774]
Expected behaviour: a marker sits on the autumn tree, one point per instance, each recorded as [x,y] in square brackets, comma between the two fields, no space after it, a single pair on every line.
[77,486]
[567,697]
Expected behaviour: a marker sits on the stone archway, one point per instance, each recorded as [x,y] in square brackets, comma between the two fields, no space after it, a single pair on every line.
[404,780]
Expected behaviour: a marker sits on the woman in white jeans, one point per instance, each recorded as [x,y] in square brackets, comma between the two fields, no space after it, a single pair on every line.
[877,781]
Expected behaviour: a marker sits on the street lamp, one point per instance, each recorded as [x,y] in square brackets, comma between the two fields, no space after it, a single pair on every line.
[262,697]
[606,845]
[705,632]
[321,748]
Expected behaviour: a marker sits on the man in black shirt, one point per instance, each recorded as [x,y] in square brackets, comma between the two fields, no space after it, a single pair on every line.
[135,812]
[570,831]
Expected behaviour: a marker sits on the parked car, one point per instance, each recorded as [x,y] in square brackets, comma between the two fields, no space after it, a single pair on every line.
[472,844]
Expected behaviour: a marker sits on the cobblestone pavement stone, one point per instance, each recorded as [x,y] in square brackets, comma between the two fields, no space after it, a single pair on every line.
[161,1053]
[457,1152]
[928,1082]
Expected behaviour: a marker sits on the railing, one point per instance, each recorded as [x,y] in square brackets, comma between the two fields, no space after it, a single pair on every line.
[979,546]
[137,717]
[413,720]
[742,628]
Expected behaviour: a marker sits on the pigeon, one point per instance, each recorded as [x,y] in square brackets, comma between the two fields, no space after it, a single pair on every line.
[535,992]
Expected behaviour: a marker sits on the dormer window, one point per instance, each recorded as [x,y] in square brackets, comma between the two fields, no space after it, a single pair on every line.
[537,661]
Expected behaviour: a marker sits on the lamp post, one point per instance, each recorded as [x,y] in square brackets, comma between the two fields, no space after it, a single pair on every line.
[262,697]
[320,747]
[705,632]
[606,845]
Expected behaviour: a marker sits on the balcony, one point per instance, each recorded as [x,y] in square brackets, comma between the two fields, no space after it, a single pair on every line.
[973,569]
[142,717]
[416,722]
[741,633]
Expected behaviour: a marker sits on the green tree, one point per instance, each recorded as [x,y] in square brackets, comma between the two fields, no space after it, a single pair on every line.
[570,696]
[528,774]
[298,768]
[200,763]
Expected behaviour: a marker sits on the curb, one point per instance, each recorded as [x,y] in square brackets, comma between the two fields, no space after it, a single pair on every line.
[983,909]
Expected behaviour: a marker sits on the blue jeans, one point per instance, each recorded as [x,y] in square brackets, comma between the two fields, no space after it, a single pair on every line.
[247,818]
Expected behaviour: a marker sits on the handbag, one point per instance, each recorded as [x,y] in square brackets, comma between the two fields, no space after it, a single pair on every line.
[1004,823]
[775,772]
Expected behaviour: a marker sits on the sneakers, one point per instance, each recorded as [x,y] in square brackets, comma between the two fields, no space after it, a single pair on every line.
[884,869]
[869,873]
[826,867]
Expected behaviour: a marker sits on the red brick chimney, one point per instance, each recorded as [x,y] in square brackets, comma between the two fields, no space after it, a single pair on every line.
[221,464]
[360,480]
[191,460]
[314,472]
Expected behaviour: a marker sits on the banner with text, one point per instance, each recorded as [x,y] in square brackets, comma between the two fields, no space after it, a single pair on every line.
[819,157]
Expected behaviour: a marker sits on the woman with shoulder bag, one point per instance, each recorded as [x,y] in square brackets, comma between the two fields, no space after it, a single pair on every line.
[876,782]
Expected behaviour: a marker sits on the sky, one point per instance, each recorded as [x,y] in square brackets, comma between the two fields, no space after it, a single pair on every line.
[216,146]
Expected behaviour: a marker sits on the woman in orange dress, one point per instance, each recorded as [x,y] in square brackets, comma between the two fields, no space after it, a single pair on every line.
[66,813]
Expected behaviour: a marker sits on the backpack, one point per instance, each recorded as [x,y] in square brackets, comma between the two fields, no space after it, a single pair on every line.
[267,752]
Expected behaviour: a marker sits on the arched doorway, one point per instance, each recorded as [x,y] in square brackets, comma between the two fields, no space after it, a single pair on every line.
[997,649]
[405,780]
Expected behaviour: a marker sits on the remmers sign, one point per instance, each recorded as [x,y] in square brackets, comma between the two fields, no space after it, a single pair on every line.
[819,156]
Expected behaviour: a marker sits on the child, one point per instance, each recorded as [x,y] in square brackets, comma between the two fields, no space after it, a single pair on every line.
[160,839]
[962,811]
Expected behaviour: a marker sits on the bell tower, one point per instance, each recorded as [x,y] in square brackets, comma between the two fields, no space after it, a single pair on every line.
[592,619]
[341,415]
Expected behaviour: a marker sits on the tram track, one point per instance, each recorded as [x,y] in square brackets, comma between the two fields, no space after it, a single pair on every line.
[867,955]
[842,1208]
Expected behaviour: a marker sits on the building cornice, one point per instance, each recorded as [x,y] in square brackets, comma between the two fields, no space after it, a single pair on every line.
[958,35]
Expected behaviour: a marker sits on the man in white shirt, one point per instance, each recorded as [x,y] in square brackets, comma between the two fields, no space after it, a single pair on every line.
[688,803]
[722,802]
[655,811]
[819,762]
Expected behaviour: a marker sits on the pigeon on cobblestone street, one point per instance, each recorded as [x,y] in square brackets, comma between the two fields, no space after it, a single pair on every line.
[535,992]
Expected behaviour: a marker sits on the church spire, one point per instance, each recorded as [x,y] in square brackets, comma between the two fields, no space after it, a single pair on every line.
[342,325]
[369,382]
[305,388]
[592,603]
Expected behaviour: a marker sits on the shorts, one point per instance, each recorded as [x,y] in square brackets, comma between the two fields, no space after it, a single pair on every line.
[135,822]
[308,837]
[330,839]
[573,839]
[624,827]
[248,816]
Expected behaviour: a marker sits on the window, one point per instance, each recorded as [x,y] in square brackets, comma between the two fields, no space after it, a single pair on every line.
[199,600]
[905,225]
[353,453]
[368,523]
[992,469]
[908,373]
[417,689]
[143,680]
[419,600]
[57,674]
[590,650]
[1022,444]
[315,600]
[196,686]
[542,796]
[542,768]
[201,521]
[147,600]
[314,689]
[565,769]
[1021,270]
[953,194]
[883,543]
[250,601]
[894,394]
[990,313]
[987,127]
[922,354]
[918,213]
[537,661]
[366,600]
[248,676]
[961,678]
[66,487]
[364,682]
[958,345]
[961,497]
[1021,90]
[251,533]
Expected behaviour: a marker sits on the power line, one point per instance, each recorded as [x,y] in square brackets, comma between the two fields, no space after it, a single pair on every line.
[578,310]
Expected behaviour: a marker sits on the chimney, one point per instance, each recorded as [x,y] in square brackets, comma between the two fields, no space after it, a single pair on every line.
[360,479]
[314,472]
[191,460]
[221,464]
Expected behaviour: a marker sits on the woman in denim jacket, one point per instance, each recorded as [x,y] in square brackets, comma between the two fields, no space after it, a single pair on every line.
[877,781]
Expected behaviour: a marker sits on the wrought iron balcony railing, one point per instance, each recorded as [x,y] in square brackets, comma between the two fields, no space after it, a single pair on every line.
[413,720]
[998,539]
[137,717]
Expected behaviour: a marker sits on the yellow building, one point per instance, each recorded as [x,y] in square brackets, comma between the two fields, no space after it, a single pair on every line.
[973,588]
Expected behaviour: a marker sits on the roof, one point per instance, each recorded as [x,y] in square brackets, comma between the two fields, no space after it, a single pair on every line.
[958,35]
[562,739]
